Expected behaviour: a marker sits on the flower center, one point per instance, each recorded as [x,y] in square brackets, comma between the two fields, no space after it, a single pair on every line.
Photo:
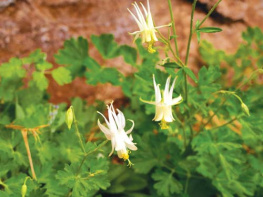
[150,47]
[163,124]
[125,156]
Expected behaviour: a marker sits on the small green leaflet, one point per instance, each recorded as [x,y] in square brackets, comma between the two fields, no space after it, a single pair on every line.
[13,68]
[172,65]
[73,54]
[40,80]
[189,72]
[42,66]
[61,75]
[166,184]
[106,45]
[35,57]
[129,54]
[209,29]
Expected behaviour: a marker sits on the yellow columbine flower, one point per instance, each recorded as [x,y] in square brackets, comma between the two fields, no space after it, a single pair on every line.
[163,103]
[116,133]
[146,26]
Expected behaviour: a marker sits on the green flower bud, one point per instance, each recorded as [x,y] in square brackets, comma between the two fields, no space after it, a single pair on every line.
[23,190]
[245,109]
[69,117]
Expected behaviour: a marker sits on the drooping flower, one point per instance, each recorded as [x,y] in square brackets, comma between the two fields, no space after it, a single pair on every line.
[116,133]
[163,103]
[146,26]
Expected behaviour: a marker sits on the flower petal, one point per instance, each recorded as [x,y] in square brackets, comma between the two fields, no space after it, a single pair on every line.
[167,114]
[128,141]
[137,21]
[112,120]
[176,100]
[149,102]
[166,90]
[171,89]
[121,119]
[158,113]
[158,96]
[140,15]
[113,143]
[130,130]
[105,130]
[107,122]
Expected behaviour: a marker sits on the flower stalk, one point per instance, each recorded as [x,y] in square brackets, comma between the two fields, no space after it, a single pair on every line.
[173,27]
[24,134]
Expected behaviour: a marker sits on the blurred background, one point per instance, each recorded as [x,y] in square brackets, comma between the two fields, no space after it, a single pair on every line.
[26,25]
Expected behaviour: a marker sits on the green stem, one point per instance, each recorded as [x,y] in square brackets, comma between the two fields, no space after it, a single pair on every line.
[209,13]
[187,182]
[173,26]
[77,131]
[182,125]
[165,41]
[211,117]
[173,171]
[250,78]
[230,121]
[191,32]
[87,154]
[188,50]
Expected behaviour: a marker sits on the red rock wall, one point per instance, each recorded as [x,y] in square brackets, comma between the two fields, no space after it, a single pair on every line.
[28,25]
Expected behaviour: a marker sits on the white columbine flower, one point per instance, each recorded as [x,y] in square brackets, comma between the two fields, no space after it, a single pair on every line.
[116,133]
[146,26]
[163,103]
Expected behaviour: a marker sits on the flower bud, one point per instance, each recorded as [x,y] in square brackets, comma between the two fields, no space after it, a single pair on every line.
[245,109]
[23,190]
[69,117]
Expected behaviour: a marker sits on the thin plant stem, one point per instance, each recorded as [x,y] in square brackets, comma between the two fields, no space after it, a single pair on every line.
[209,13]
[211,117]
[24,134]
[229,122]
[191,32]
[87,154]
[77,131]
[182,125]
[173,27]
[165,41]
[188,175]
[188,50]
[250,78]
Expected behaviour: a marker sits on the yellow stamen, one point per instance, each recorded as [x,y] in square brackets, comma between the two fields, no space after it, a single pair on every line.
[150,49]
[125,156]
[130,164]
[163,124]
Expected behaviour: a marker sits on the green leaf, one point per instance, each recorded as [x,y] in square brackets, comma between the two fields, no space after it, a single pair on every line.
[96,74]
[92,176]
[198,35]
[209,29]
[40,80]
[211,55]
[19,112]
[61,75]
[129,54]
[42,66]
[12,69]
[106,45]
[35,57]
[190,73]
[172,65]
[166,184]
[73,54]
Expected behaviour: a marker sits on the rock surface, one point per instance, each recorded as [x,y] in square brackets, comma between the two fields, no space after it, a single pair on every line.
[46,24]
